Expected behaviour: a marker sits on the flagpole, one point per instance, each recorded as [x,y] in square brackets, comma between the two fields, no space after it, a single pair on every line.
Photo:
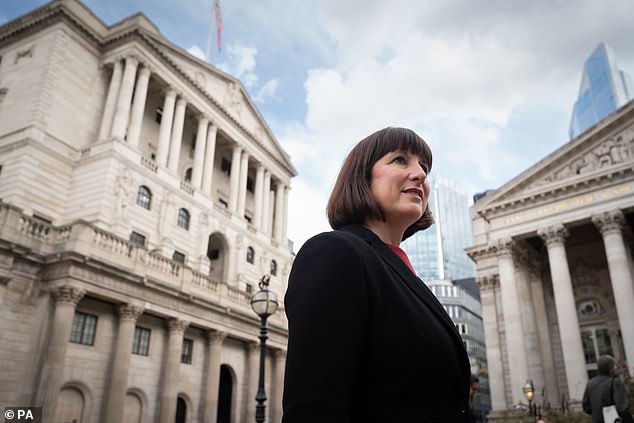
[211,25]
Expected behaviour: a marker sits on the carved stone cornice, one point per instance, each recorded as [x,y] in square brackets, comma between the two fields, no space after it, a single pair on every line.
[177,325]
[609,222]
[130,312]
[481,252]
[553,235]
[68,294]
[505,247]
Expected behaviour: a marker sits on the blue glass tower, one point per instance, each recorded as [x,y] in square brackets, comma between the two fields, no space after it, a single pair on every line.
[604,88]
[438,252]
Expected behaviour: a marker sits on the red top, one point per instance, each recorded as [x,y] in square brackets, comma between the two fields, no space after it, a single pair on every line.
[402,256]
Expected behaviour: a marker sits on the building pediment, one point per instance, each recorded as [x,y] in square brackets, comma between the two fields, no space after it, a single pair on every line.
[604,151]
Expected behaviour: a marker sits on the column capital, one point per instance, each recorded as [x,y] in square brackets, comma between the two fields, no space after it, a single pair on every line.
[552,235]
[488,282]
[169,91]
[504,247]
[253,346]
[145,70]
[130,312]
[279,354]
[177,325]
[181,101]
[609,222]
[132,60]
[216,337]
[68,294]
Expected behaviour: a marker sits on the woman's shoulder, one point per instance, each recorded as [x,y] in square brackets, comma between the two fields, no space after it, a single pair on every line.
[336,240]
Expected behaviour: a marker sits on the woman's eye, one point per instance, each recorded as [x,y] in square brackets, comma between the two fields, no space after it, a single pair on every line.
[399,160]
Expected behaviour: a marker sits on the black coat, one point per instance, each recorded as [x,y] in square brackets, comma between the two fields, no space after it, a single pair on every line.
[368,341]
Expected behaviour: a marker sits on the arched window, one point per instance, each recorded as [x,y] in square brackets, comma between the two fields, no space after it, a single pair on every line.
[183,219]
[273,268]
[144,197]
[250,255]
[188,175]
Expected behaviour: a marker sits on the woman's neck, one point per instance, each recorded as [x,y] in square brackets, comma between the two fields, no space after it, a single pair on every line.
[386,232]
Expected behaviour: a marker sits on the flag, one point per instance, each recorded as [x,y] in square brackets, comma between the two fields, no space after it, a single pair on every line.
[218,20]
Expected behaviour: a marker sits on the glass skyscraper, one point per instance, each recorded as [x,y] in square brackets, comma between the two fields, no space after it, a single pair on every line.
[604,89]
[438,252]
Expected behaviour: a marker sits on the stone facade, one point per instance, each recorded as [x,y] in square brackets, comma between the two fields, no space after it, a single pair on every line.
[142,198]
[553,253]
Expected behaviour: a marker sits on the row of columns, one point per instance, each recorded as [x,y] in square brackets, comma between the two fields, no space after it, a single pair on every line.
[524,311]
[122,119]
[66,299]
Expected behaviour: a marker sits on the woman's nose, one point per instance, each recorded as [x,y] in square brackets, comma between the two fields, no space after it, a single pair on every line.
[418,173]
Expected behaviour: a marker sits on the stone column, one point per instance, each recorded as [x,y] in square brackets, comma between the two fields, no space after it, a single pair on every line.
[285,219]
[209,158]
[177,135]
[543,333]
[259,188]
[488,286]
[610,225]
[513,327]
[572,348]
[124,101]
[278,385]
[128,315]
[199,155]
[66,299]
[111,99]
[235,179]
[138,106]
[212,382]
[244,175]
[169,390]
[271,214]
[535,368]
[166,127]
[252,381]
[279,213]
[266,201]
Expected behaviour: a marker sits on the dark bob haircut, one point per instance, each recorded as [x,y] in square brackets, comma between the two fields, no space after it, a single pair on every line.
[351,199]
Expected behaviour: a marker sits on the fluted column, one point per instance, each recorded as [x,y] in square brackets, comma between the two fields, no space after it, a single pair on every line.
[572,348]
[534,365]
[177,135]
[128,315]
[111,100]
[610,225]
[488,286]
[266,200]
[66,299]
[212,382]
[209,159]
[259,188]
[285,219]
[244,175]
[252,384]
[166,127]
[138,106]
[169,390]
[543,332]
[199,156]
[278,385]
[235,179]
[124,101]
[516,352]
[279,213]
[271,214]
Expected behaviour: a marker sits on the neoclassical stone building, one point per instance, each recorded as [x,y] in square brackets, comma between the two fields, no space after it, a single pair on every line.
[142,198]
[553,253]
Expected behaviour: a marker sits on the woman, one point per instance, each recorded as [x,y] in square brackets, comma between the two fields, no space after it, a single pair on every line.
[368,341]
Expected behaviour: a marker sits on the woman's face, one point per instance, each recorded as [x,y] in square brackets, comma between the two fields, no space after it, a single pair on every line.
[399,185]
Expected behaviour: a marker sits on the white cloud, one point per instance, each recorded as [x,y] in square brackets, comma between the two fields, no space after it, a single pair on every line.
[241,64]
[268,90]
[197,52]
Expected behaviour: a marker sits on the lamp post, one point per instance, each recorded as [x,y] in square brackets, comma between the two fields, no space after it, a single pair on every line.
[529,390]
[263,303]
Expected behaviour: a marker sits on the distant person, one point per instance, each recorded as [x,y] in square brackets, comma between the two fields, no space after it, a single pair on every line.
[605,389]
[473,388]
[368,341]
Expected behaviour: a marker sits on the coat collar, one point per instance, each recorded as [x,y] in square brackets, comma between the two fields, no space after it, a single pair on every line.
[415,284]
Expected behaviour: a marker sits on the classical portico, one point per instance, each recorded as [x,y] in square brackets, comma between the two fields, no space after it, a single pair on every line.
[553,250]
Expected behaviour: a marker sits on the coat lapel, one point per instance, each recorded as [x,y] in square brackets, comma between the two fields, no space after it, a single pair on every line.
[416,285]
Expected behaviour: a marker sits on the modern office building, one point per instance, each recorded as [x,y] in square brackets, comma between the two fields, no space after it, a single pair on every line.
[142,198]
[604,88]
[438,252]
[553,252]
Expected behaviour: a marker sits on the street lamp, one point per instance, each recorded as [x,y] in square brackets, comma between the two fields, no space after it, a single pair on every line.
[263,303]
[529,390]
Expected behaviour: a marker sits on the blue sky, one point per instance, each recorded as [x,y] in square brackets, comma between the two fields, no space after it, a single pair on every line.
[490,84]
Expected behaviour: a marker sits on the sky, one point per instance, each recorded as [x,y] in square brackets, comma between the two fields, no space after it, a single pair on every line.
[489,84]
